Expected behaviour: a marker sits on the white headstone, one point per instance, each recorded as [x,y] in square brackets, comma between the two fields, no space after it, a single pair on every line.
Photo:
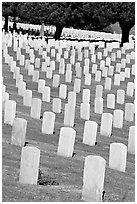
[104,71]
[48,122]
[9,112]
[110,70]
[66,141]
[106,124]
[131,140]
[27,98]
[41,85]
[5,97]
[69,115]
[130,89]
[129,112]
[98,105]
[117,79]
[29,167]
[68,76]
[98,76]
[108,83]
[127,72]
[120,96]
[86,96]
[118,118]
[19,132]
[117,156]
[77,85]
[46,94]
[99,91]
[36,108]
[93,178]
[56,107]
[35,77]
[63,91]
[56,79]
[88,79]
[30,70]
[21,88]
[111,101]
[90,133]
[85,111]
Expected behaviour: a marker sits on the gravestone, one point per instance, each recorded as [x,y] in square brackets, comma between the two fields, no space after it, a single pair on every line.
[108,61]
[118,118]
[88,79]
[94,68]
[29,166]
[120,96]
[56,107]
[49,73]
[69,115]
[16,72]
[117,156]
[130,89]
[46,94]
[110,70]
[85,111]
[35,77]
[127,72]
[77,85]
[56,79]
[41,85]
[129,112]
[86,70]
[44,67]
[63,91]
[117,79]
[90,133]
[21,88]
[104,71]
[98,76]
[118,67]
[111,101]
[68,76]
[78,72]
[86,96]
[122,76]
[5,97]
[27,98]
[66,141]
[19,79]
[131,140]
[93,178]
[30,70]
[36,108]
[37,63]
[99,91]
[48,122]
[106,124]
[98,105]
[27,63]
[9,112]
[19,132]
[108,83]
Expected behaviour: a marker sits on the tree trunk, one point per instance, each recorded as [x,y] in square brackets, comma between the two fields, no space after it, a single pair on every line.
[125,33]
[6,24]
[58,32]
[14,24]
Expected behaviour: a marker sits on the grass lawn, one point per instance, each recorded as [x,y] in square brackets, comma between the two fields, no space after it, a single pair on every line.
[68,172]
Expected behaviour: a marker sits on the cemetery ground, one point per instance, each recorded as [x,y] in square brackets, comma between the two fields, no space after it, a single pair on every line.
[66,172]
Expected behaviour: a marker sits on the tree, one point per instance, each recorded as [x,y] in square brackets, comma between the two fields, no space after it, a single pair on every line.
[79,15]
[10,9]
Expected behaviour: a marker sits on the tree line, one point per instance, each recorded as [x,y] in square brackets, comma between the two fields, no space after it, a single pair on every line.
[80,15]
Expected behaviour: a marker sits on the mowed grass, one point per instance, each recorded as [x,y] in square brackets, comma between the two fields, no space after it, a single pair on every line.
[68,172]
